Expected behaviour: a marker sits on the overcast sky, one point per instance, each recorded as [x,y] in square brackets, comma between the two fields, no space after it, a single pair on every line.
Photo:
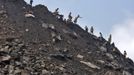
[114,17]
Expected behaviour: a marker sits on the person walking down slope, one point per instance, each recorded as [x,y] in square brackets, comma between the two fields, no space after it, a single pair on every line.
[86,28]
[101,36]
[91,30]
[31,2]
[76,18]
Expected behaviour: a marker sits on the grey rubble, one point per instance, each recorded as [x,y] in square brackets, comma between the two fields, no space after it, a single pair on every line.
[45,45]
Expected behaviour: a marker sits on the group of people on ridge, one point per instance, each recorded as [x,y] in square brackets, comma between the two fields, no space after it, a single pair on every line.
[69,20]
[101,36]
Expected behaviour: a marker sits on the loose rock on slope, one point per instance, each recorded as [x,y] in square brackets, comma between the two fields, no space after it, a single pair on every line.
[44,45]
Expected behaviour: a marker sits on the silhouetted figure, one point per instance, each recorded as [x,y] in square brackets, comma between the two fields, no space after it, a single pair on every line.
[69,18]
[86,28]
[61,17]
[56,12]
[110,38]
[31,2]
[91,30]
[76,18]
[125,54]
[101,35]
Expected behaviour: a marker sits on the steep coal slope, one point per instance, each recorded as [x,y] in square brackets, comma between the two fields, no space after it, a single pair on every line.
[45,45]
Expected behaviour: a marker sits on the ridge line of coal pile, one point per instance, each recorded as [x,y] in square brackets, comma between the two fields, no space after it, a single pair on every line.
[34,42]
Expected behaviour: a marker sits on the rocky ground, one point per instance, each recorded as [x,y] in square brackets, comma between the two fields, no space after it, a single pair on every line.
[45,45]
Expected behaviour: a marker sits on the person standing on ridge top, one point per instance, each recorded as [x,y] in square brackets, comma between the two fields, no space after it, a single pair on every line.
[91,30]
[110,38]
[31,2]
[61,17]
[69,18]
[56,12]
[76,18]
[101,35]
[86,28]
[125,54]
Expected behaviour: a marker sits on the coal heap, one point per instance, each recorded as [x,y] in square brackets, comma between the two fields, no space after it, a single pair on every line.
[41,44]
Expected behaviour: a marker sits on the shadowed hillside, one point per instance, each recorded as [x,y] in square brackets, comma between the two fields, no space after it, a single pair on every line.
[44,45]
